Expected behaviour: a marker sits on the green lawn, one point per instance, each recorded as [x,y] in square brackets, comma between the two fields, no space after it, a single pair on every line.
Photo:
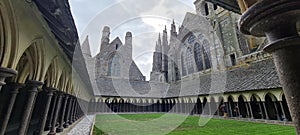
[175,124]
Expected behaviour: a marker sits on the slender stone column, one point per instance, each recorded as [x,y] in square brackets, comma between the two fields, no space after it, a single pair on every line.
[52,113]
[4,73]
[230,110]
[44,116]
[74,111]
[67,118]
[251,112]
[247,109]
[238,109]
[276,109]
[278,20]
[71,112]
[266,112]
[283,113]
[32,89]
[14,91]
[261,111]
[62,122]
[54,121]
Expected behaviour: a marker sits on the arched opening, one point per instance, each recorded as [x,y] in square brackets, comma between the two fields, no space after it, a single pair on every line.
[206,52]
[189,61]
[243,110]
[183,66]
[221,107]
[198,50]
[256,107]
[271,106]
[213,106]
[205,107]
[233,111]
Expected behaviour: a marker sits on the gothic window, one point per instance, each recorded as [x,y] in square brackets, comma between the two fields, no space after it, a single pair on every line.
[191,39]
[198,56]
[183,65]
[206,54]
[114,67]
[189,60]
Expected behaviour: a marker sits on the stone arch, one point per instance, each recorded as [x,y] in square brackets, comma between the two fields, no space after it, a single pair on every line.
[271,106]
[242,106]
[255,103]
[31,63]
[231,106]
[8,35]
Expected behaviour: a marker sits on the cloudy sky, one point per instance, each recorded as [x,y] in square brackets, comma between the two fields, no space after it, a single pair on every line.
[144,18]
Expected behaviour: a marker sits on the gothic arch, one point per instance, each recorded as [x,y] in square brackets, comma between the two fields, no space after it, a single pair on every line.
[8,36]
[31,63]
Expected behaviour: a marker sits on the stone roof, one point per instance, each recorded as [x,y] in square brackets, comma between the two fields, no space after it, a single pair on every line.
[257,76]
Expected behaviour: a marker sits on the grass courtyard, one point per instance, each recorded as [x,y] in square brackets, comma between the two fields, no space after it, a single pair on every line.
[175,124]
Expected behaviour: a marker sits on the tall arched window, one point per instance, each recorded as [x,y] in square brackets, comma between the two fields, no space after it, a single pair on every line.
[189,60]
[114,67]
[183,65]
[206,51]
[198,56]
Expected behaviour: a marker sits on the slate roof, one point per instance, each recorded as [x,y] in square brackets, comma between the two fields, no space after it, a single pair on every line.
[126,88]
[259,75]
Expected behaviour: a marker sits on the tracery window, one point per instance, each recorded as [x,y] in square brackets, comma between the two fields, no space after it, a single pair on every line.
[189,60]
[114,67]
[198,50]
[183,65]
[207,54]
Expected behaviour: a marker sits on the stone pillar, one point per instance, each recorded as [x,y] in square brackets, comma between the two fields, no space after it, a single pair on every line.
[247,109]
[283,113]
[251,112]
[54,121]
[44,116]
[266,112]
[67,118]
[4,73]
[278,21]
[71,112]
[276,109]
[62,120]
[209,108]
[14,90]
[238,113]
[230,109]
[74,111]
[32,89]
[262,113]
[52,113]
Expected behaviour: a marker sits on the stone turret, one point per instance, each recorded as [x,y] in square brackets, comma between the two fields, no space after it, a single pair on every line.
[105,37]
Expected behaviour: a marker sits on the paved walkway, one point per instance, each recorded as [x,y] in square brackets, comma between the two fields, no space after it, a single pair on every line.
[84,126]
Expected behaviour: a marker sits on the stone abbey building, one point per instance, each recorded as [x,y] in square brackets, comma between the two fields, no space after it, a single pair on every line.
[199,66]
[46,89]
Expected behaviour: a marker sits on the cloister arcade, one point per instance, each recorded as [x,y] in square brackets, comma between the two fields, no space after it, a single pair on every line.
[40,91]
[264,104]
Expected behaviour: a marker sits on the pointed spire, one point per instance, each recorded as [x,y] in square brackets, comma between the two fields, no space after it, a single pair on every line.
[173,22]
[165,28]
